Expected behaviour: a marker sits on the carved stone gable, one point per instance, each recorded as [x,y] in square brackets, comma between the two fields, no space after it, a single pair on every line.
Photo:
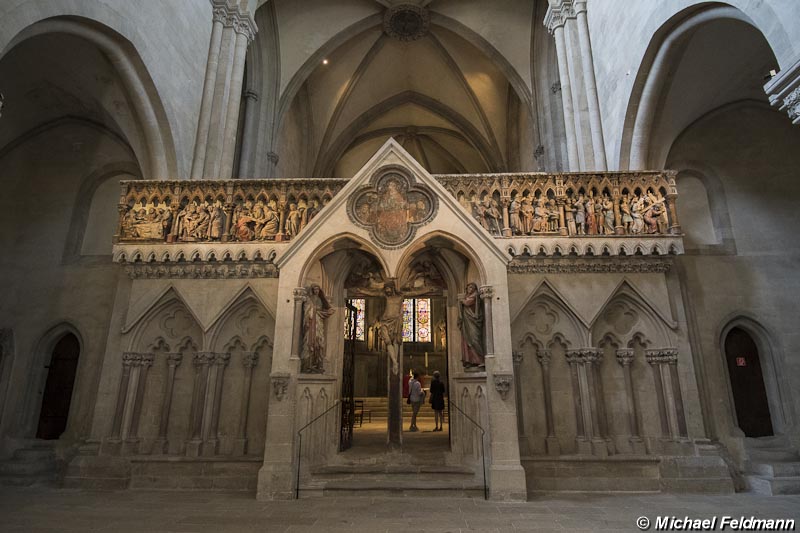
[392,206]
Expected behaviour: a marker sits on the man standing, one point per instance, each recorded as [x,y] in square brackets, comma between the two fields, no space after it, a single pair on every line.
[416,397]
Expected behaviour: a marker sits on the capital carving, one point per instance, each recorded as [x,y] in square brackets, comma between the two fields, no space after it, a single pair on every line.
[234,16]
[517,357]
[300,294]
[280,385]
[544,356]
[593,356]
[220,14]
[502,384]
[174,359]
[273,158]
[625,356]
[658,356]
[486,292]
[131,359]
[783,91]
[558,13]
[584,355]
[792,104]
[250,359]
[222,359]
[203,358]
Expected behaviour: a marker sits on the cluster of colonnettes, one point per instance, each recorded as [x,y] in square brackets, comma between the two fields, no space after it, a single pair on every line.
[583,214]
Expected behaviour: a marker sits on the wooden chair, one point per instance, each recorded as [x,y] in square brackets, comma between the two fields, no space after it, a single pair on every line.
[359,412]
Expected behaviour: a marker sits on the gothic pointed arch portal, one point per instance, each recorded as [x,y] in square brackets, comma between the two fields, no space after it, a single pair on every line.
[393,235]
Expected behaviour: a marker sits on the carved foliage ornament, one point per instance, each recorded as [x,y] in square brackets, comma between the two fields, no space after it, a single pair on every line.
[280,385]
[392,207]
[502,384]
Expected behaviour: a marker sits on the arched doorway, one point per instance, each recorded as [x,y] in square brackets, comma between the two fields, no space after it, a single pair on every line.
[58,388]
[747,384]
[393,327]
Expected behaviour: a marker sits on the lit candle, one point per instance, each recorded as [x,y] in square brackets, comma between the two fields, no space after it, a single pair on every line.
[426,359]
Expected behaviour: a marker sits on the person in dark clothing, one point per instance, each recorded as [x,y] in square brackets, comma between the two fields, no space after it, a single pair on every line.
[437,400]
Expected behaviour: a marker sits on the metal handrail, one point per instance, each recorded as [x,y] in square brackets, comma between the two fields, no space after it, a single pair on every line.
[483,450]
[300,446]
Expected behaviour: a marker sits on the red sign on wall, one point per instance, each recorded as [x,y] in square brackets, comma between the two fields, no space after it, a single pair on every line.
[741,361]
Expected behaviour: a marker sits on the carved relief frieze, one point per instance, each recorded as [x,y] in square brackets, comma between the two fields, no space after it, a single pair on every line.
[568,265]
[236,228]
[201,270]
[569,204]
[220,211]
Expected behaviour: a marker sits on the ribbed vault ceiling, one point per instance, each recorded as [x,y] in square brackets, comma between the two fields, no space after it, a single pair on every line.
[441,97]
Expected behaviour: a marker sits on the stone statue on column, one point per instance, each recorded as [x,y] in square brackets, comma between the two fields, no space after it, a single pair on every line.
[315,314]
[471,324]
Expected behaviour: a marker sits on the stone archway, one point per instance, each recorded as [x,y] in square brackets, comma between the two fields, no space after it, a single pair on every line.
[754,378]
[61,373]
[747,384]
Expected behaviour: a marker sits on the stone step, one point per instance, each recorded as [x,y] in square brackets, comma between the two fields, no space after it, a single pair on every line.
[27,468]
[36,453]
[397,469]
[773,486]
[776,441]
[770,455]
[414,480]
[391,486]
[153,473]
[775,469]
[47,479]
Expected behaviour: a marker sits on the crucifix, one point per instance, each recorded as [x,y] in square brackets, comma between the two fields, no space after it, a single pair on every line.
[390,332]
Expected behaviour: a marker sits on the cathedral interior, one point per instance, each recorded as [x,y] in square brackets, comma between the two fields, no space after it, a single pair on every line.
[253,221]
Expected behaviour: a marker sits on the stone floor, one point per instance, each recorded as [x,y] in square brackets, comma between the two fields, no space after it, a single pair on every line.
[42,509]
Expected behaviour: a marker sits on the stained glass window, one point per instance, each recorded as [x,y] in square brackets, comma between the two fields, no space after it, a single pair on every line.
[423,320]
[358,303]
[417,320]
[408,320]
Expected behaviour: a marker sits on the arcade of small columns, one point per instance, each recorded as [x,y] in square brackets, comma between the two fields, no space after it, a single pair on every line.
[209,369]
[592,434]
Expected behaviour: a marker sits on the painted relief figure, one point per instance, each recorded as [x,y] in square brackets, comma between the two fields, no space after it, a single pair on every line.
[470,322]
[315,315]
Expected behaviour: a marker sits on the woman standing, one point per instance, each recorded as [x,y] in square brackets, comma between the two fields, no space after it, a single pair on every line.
[437,401]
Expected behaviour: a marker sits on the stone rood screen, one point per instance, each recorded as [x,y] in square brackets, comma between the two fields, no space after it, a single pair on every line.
[507,205]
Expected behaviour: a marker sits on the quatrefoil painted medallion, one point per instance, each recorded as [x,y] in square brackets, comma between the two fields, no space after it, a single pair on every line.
[392,207]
